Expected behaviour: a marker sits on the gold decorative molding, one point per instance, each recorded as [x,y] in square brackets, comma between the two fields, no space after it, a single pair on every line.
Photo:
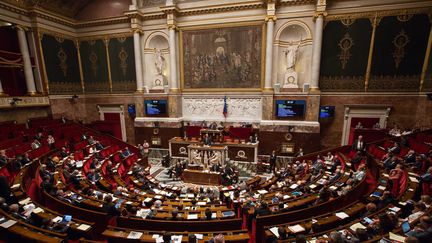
[172,27]
[272,17]
[375,22]
[77,45]
[320,13]
[382,13]
[426,61]
[24,101]
[399,41]
[106,42]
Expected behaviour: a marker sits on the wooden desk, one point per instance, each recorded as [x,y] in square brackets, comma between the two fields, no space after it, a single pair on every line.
[201,177]
[245,152]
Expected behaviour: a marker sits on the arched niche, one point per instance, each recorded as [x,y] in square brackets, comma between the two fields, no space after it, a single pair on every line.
[291,33]
[156,41]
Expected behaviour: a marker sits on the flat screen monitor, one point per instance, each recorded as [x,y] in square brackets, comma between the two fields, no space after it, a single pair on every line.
[290,108]
[155,107]
[131,109]
[327,111]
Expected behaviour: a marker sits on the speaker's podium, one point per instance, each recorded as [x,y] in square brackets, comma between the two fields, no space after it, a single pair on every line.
[201,158]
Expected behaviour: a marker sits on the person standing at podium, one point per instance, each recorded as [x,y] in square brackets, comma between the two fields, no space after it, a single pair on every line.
[207,140]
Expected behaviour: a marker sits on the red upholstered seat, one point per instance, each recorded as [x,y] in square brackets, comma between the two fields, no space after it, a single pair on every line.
[403,183]
[33,190]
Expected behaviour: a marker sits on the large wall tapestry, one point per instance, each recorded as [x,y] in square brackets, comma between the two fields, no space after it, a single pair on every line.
[122,64]
[399,52]
[94,66]
[222,57]
[61,64]
[345,54]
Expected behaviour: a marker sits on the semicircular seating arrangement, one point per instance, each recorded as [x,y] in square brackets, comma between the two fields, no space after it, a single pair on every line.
[92,187]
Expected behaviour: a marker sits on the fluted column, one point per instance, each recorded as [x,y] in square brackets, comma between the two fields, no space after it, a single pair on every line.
[316,51]
[1,89]
[173,59]
[269,55]
[138,64]
[28,70]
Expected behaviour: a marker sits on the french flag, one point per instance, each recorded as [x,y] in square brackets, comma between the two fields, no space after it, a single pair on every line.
[225,108]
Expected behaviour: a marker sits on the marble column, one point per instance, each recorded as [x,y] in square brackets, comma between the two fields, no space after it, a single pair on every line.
[28,69]
[173,59]
[316,52]
[1,89]
[138,65]
[269,55]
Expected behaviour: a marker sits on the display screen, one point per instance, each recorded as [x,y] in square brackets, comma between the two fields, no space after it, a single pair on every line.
[131,109]
[327,111]
[155,107]
[290,108]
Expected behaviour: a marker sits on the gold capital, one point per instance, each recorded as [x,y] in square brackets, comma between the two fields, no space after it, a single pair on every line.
[270,17]
[320,14]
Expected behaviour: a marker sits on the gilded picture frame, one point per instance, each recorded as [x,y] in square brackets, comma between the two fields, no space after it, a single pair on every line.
[229,57]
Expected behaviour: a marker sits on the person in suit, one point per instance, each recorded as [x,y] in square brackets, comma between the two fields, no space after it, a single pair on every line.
[272,161]
[299,153]
[3,158]
[423,233]
[395,149]
[359,144]
[207,140]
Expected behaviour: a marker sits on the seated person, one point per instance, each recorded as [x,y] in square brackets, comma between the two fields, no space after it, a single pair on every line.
[36,144]
[390,162]
[93,176]
[63,152]
[207,140]
[423,232]
[3,158]
[125,153]
[395,149]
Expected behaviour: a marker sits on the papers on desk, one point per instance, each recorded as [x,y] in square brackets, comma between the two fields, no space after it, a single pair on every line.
[15,186]
[148,199]
[38,210]
[213,215]
[412,174]
[158,197]
[201,203]
[312,186]
[342,215]
[356,226]
[333,188]
[143,213]
[293,186]
[274,230]
[190,195]
[176,238]
[199,236]
[381,188]
[385,175]
[262,191]
[192,216]
[402,203]
[413,179]
[8,223]
[321,181]
[395,209]
[396,237]
[134,235]
[84,227]
[24,201]
[79,164]
[57,219]
[296,228]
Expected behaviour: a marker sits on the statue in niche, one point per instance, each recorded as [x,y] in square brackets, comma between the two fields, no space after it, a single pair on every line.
[290,77]
[159,61]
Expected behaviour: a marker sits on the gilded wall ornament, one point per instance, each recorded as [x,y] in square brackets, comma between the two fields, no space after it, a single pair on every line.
[345,45]
[400,41]
[123,56]
[347,22]
[93,60]
[121,39]
[62,56]
[405,17]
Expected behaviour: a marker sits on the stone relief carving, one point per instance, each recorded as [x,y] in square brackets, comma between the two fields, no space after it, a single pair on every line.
[204,108]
